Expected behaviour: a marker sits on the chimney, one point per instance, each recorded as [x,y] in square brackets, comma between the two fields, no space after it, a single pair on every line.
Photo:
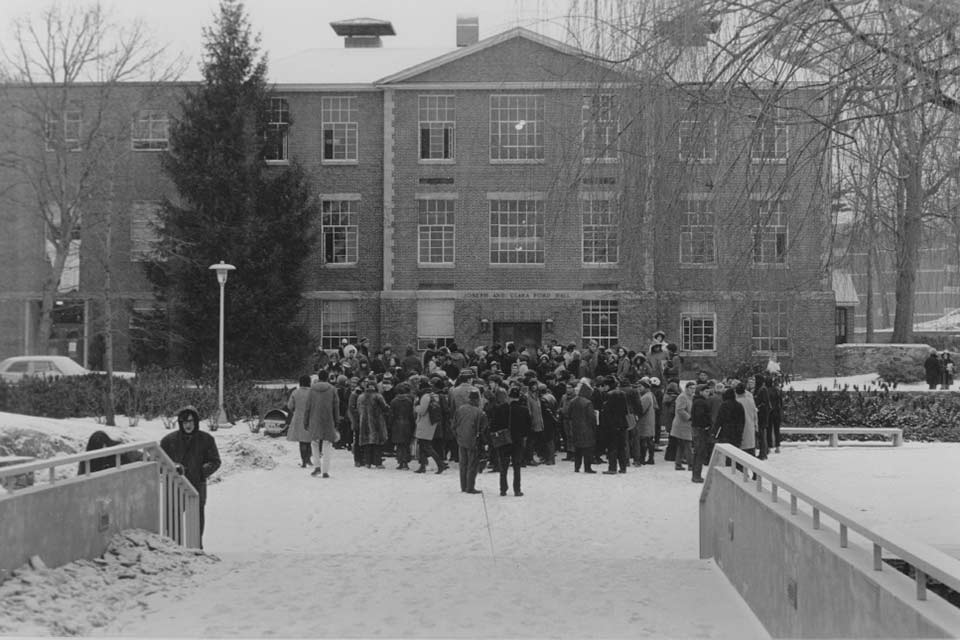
[363,33]
[468,30]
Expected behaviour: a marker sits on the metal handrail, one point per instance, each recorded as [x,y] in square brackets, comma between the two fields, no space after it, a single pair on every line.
[179,496]
[926,560]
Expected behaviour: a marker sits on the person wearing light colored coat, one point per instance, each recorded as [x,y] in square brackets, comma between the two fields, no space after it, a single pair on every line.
[682,428]
[297,431]
[749,441]
[320,415]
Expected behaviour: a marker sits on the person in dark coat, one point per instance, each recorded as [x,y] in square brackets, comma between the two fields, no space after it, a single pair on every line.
[931,368]
[776,410]
[730,419]
[583,428]
[195,454]
[761,398]
[297,430]
[403,423]
[702,425]
[613,422]
[515,416]
[100,440]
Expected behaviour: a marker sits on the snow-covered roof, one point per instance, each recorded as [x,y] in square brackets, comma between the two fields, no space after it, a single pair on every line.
[343,66]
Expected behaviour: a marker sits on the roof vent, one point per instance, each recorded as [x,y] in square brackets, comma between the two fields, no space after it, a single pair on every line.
[468,30]
[363,32]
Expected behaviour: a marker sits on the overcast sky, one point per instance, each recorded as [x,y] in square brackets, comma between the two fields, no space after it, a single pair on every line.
[288,26]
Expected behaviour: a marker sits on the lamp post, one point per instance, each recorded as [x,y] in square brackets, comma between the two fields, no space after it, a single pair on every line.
[222,270]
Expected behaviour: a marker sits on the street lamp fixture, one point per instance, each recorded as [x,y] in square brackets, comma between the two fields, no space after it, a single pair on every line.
[223,270]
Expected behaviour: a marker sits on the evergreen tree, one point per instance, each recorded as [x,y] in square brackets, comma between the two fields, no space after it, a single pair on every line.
[231,206]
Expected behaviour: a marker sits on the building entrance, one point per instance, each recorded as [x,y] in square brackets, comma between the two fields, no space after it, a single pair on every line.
[523,334]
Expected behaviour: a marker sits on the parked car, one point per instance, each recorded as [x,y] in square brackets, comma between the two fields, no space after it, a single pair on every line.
[17,367]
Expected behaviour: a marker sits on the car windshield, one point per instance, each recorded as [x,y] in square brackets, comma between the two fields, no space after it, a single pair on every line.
[67,366]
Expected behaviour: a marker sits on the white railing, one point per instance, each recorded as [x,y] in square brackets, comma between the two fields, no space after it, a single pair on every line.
[179,501]
[925,560]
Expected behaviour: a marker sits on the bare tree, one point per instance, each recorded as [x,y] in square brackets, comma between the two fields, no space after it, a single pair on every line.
[68,121]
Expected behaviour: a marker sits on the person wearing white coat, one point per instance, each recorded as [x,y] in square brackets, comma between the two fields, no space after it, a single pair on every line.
[749,441]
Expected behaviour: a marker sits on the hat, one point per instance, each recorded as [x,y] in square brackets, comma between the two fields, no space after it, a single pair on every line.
[659,333]
[654,382]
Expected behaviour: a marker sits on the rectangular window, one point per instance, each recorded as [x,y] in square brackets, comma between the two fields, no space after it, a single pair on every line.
[339,220]
[599,231]
[769,136]
[434,323]
[338,321]
[151,130]
[769,333]
[841,337]
[339,116]
[435,231]
[601,322]
[697,232]
[516,128]
[144,230]
[275,134]
[698,331]
[516,232]
[600,121]
[698,139]
[769,232]
[63,130]
[437,127]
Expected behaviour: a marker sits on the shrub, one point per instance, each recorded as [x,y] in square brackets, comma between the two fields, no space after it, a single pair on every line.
[900,371]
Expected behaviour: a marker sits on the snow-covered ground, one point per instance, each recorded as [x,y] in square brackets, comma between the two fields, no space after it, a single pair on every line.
[388,553]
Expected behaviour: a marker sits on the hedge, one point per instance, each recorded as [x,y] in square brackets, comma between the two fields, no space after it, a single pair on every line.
[924,417]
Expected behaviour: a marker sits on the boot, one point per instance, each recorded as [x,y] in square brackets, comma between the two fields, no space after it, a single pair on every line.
[315,472]
[422,469]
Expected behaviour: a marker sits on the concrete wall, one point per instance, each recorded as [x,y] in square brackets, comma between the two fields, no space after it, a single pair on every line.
[799,582]
[65,522]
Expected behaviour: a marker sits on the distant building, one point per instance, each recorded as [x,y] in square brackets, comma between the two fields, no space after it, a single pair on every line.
[509,189]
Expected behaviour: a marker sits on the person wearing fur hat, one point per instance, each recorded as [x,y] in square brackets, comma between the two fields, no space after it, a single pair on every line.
[195,454]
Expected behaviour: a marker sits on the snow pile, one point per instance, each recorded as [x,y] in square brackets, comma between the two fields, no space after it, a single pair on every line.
[83,596]
[242,453]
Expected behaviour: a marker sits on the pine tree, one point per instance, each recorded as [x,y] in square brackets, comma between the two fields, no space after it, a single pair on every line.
[230,206]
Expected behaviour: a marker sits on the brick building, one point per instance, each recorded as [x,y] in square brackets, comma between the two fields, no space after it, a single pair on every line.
[515,189]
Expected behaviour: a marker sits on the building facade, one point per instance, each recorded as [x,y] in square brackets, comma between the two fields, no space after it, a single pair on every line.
[514,189]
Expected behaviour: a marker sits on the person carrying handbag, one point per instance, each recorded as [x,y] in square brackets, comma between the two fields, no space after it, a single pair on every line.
[514,417]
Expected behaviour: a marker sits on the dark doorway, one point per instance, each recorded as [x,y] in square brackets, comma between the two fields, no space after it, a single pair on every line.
[523,334]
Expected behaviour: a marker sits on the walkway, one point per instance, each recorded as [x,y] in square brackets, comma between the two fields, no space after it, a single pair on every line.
[382,553]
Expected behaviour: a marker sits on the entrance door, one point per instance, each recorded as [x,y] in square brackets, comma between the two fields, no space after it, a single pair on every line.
[523,334]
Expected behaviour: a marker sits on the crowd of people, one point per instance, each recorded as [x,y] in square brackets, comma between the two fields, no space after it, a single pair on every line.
[506,407]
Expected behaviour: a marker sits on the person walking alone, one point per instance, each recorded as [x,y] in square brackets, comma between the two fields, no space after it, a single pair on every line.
[297,431]
[321,414]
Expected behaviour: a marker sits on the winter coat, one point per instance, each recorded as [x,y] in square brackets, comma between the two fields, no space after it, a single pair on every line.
[196,451]
[681,427]
[730,421]
[425,430]
[749,440]
[468,423]
[761,398]
[514,416]
[583,419]
[536,412]
[931,368]
[647,423]
[322,412]
[403,421]
[297,406]
[700,418]
[613,415]
[373,411]
[668,408]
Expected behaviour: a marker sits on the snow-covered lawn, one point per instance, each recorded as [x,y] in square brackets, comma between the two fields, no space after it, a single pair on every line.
[390,553]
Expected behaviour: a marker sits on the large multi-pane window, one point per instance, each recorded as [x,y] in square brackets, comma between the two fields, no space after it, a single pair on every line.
[769,327]
[275,134]
[698,138]
[769,136]
[600,120]
[516,232]
[697,232]
[599,230]
[769,232]
[434,323]
[601,322]
[151,130]
[516,128]
[435,231]
[338,321]
[63,130]
[437,127]
[339,123]
[339,222]
[698,331]
[144,227]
